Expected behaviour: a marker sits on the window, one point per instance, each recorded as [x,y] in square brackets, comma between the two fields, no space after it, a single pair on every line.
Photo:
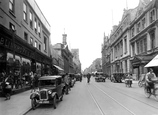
[45,44]
[152,38]
[35,44]
[133,49]
[12,27]
[31,21]
[138,27]
[25,11]
[152,16]
[35,25]
[132,32]
[25,36]
[40,47]
[39,30]
[11,5]
[31,41]
[145,44]
[143,23]
[125,41]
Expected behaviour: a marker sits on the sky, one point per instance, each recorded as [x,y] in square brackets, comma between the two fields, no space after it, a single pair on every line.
[84,22]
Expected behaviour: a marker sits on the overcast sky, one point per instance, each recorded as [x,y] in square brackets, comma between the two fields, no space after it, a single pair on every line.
[85,22]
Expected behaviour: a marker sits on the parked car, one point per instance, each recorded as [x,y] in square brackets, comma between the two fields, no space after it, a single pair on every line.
[50,90]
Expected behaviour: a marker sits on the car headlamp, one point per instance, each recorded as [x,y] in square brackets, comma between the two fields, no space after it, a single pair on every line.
[49,92]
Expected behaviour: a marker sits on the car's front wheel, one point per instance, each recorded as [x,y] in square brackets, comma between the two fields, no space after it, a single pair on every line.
[55,101]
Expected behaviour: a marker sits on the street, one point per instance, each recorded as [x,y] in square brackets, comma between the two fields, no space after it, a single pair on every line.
[102,98]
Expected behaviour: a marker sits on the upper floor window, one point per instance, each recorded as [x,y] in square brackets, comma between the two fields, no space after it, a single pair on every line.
[133,49]
[125,41]
[138,27]
[35,25]
[25,11]
[152,38]
[25,36]
[39,30]
[40,47]
[35,44]
[31,41]
[31,20]
[141,46]
[45,44]
[11,5]
[143,23]
[152,16]
[132,32]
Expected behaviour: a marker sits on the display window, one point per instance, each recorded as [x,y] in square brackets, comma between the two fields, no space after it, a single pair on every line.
[38,69]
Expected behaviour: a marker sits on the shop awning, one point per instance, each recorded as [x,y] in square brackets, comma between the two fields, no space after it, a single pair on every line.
[153,62]
[59,68]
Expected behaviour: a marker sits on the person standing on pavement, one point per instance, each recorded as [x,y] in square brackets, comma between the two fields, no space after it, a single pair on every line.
[67,82]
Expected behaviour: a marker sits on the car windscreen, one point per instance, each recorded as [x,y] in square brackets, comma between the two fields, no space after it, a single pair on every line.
[47,83]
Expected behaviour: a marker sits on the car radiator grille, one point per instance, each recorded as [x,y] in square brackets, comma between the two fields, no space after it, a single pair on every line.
[43,94]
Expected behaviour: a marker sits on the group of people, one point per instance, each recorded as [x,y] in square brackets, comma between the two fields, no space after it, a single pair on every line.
[11,81]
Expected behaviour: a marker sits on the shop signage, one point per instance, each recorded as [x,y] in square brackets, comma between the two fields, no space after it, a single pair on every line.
[6,42]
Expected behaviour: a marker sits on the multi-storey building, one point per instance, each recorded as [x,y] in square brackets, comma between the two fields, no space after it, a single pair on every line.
[143,34]
[136,44]
[66,60]
[76,60]
[106,65]
[24,37]
[119,43]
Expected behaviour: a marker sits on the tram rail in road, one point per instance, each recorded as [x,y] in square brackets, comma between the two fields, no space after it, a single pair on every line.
[110,98]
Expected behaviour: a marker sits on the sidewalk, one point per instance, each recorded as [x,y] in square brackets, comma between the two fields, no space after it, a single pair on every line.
[18,104]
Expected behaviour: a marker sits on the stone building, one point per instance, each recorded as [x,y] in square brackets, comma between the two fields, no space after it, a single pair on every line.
[24,37]
[133,42]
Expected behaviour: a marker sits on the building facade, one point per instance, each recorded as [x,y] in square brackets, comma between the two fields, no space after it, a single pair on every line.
[24,38]
[133,42]
[76,60]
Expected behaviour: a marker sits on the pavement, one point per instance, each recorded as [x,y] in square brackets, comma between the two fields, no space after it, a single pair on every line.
[19,104]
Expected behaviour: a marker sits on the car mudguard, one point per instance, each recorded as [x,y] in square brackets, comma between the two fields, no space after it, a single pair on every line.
[34,95]
[53,94]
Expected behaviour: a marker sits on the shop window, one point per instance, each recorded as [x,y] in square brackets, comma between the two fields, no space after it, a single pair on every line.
[10,59]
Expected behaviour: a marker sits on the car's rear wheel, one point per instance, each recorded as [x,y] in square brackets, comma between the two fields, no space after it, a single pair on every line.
[54,102]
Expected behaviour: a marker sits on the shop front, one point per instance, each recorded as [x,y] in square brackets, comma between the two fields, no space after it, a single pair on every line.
[17,56]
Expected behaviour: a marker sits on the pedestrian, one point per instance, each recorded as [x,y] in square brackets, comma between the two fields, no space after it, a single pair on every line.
[32,81]
[6,85]
[148,79]
[88,77]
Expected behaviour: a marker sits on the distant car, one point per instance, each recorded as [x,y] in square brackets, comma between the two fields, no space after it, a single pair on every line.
[100,78]
[51,89]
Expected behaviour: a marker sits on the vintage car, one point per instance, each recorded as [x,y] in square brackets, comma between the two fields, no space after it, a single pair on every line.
[50,90]
[100,78]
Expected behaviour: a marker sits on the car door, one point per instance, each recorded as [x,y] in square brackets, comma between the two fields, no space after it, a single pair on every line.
[59,87]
